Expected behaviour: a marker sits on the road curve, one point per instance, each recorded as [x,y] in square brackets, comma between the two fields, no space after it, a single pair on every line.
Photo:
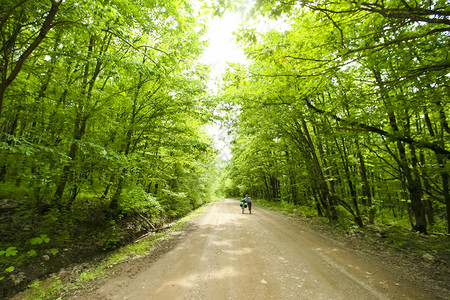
[227,255]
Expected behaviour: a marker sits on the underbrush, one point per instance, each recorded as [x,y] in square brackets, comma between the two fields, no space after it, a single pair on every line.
[288,208]
[39,246]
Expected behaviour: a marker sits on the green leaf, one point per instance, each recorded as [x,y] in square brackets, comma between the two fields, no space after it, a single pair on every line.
[36,241]
[40,239]
[10,269]
[11,251]
[31,253]
[54,251]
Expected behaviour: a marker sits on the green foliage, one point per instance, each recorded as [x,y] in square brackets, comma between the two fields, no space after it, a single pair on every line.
[90,275]
[345,219]
[135,106]
[135,198]
[43,238]
[10,251]
[400,239]
[385,216]
[10,269]
[287,208]
[440,225]
[9,190]
[110,236]
[53,251]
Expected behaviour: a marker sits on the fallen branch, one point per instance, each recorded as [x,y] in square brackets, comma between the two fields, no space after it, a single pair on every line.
[145,220]
[152,232]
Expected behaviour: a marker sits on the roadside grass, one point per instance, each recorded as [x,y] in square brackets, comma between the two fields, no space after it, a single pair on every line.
[47,289]
[55,286]
[287,208]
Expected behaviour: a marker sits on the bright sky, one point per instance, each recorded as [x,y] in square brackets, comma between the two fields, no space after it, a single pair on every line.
[222,47]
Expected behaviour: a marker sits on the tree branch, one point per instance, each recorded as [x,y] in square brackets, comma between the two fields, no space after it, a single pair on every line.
[414,14]
[138,48]
[398,41]
[436,148]
[46,26]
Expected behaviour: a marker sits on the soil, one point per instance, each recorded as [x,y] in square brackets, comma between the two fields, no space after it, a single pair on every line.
[224,254]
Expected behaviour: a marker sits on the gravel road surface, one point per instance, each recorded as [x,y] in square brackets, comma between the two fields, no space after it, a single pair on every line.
[224,254]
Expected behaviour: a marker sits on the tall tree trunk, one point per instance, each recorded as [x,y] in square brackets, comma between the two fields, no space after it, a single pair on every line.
[427,188]
[267,189]
[344,157]
[362,171]
[292,180]
[418,205]
[441,160]
[323,185]
[80,123]
[316,177]
[318,206]
[108,187]
[445,189]
[79,130]
[114,204]
[414,187]
[10,142]
[365,189]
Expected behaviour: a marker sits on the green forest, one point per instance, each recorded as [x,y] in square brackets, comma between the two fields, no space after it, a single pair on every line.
[104,103]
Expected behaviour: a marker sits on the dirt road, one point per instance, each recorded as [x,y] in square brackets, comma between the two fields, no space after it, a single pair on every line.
[227,255]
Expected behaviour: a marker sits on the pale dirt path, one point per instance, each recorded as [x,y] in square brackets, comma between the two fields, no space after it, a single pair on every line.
[227,255]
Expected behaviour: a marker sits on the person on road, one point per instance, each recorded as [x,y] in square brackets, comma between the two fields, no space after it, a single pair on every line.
[249,203]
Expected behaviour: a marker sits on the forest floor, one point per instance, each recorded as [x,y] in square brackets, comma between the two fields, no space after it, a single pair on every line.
[223,254]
